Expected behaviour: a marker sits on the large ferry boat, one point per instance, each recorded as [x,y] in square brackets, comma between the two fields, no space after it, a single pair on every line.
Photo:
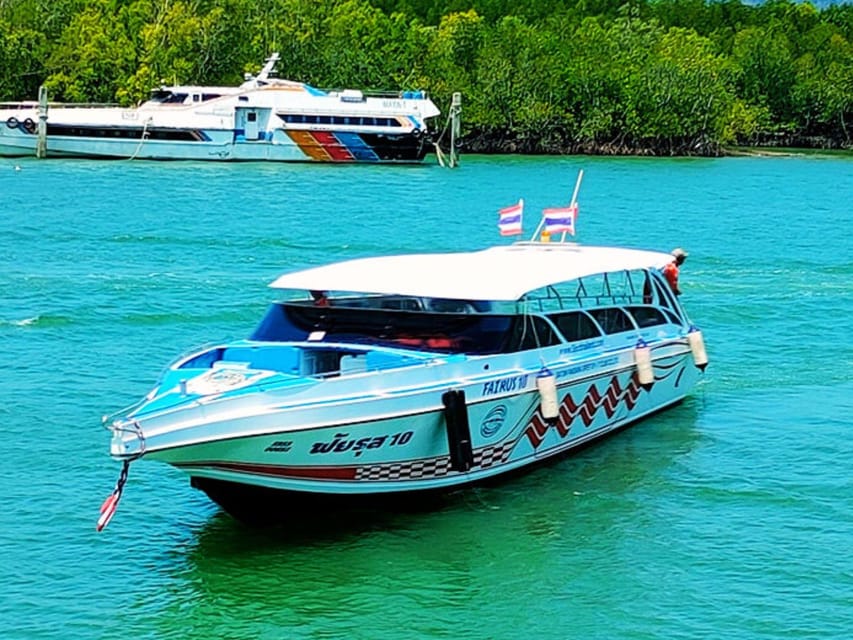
[410,374]
[265,118]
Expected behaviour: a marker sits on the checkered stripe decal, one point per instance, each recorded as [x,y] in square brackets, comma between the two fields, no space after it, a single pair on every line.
[490,456]
[433,467]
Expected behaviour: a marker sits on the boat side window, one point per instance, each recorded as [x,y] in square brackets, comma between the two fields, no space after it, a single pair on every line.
[576,325]
[530,332]
[612,319]
[647,316]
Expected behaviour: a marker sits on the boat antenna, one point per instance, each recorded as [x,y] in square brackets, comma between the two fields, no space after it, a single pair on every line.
[268,67]
[574,200]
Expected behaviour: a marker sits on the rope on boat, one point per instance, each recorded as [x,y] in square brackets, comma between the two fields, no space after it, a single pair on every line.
[142,139]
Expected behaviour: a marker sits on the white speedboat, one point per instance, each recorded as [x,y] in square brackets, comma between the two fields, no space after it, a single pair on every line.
[265,118]
[410,374]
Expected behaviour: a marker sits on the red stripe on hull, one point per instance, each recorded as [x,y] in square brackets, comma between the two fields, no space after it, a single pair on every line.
[315,473]
[332,146]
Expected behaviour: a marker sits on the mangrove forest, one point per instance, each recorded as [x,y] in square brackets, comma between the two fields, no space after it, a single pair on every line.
[663,77]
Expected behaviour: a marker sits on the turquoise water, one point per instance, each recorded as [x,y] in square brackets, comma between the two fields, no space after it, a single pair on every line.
[730,516]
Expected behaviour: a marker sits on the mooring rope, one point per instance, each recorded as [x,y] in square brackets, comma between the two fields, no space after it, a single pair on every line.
[142,139]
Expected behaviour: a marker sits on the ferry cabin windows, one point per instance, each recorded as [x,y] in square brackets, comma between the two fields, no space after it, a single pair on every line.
[126,133]
[347,121]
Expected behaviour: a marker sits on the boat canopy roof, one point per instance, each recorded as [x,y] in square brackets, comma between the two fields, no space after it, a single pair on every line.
[499,273]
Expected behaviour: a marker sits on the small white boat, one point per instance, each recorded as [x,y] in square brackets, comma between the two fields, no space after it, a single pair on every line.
[265,118]
[410,374]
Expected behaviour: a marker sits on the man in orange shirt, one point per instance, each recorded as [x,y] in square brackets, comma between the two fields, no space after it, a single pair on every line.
[670,271]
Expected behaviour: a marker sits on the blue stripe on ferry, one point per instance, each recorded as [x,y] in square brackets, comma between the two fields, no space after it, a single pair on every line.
[313,91]
[359,149]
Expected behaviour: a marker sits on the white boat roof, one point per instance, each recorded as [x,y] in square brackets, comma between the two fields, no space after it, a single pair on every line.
[498,273]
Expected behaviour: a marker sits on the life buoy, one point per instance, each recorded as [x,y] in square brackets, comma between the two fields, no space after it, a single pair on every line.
[12,122]
[29,125]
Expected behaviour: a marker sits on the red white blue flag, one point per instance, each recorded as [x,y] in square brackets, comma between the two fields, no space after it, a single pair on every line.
[561,220]
[510,219]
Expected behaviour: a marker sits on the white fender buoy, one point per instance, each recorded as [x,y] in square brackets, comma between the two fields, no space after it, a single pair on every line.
[643,361]
[697,347]
[547,385]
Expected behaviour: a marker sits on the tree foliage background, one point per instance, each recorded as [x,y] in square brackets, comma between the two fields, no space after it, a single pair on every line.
[537,76]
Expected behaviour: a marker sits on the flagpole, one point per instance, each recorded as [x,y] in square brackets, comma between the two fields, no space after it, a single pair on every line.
[574,199]
[538,229]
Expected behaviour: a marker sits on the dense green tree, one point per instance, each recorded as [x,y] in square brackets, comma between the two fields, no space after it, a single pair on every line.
[21,53]
[93,56]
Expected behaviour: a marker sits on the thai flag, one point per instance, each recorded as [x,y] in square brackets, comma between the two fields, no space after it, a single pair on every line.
[561,220]
[510,219]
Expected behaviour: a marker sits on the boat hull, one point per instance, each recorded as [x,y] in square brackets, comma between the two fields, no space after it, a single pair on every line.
[259,505]
[224,145]
[217,135]
[377,462]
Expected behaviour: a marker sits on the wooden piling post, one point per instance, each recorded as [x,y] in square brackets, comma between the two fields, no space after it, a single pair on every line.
[455,115]
[41,144]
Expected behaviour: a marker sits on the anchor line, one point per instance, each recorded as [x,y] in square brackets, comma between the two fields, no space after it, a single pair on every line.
[108,508]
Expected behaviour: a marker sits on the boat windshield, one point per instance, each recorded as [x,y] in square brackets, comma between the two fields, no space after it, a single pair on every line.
[172,97]
[441,331]
[585,309]
[167,96]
